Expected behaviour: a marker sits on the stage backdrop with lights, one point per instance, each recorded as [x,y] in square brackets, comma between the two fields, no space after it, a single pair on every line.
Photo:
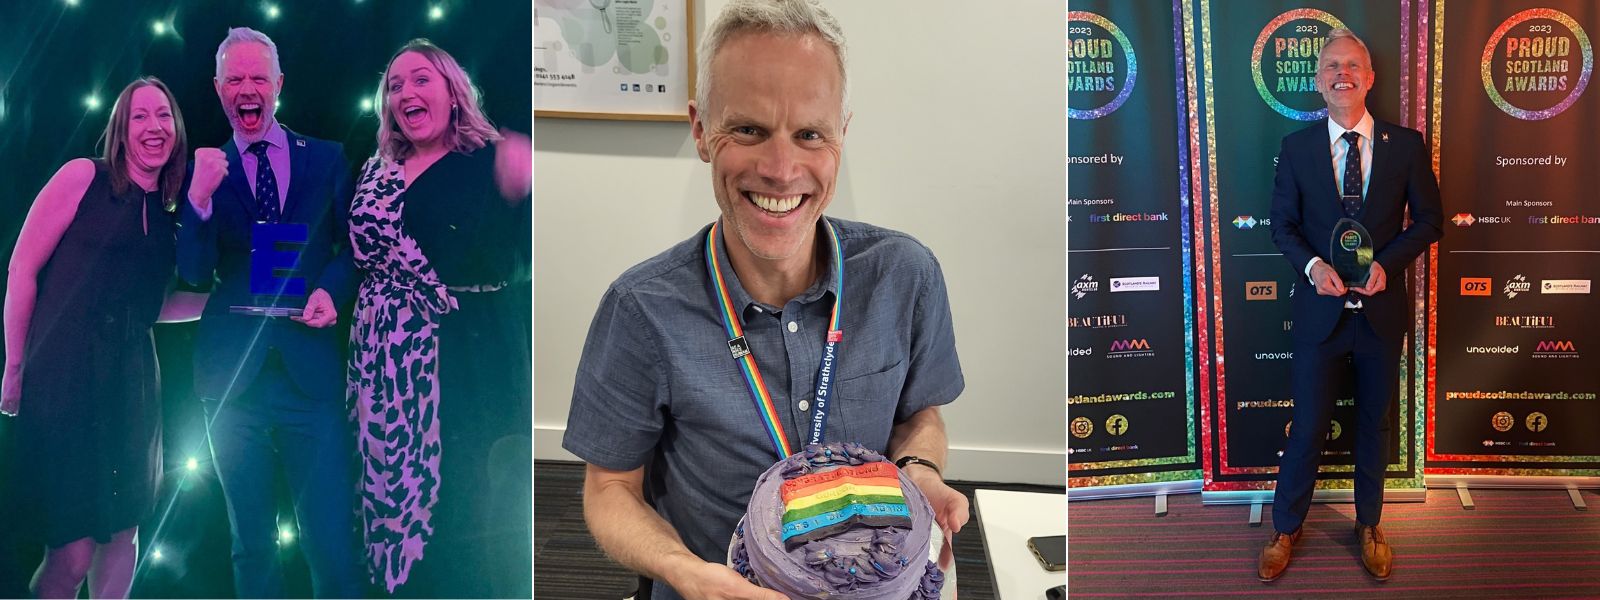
[1494,369]
[62,65]
[1131,312]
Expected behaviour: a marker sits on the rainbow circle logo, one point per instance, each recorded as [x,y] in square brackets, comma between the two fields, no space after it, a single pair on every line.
[1132,71]
[1500,33]
[1261,45]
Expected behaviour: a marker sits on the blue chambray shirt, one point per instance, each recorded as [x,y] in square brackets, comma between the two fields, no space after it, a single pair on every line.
[657,387]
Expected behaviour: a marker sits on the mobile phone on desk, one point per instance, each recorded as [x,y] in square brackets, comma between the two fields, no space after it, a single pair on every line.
[1056,593]
[1050,550]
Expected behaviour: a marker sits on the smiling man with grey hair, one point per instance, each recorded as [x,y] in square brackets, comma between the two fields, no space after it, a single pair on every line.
[1354,321]
[662,410]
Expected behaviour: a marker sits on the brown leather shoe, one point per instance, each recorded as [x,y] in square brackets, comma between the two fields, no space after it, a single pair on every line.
[1376,555]
[1275,557]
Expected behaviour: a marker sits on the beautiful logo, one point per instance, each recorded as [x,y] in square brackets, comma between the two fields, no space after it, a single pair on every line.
[1564,286]
[1244,222]
[1097,322]
[1129,349]
[1555,349]
[1350,240]
[1135,284]
[1530,62]
[1462,219]
[1525,321]
[1082,427]
[1260,290]
[1516,285]
[1502,421]
[1286,74]
[1537,422]
[1084,286]
[1476,286]
[1092,67]
[1117,424]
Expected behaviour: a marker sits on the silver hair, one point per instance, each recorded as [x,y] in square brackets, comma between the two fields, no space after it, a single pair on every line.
[777,16]
[245,34]
[1341,33]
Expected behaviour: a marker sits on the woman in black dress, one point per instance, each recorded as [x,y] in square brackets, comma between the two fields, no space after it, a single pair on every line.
[88,277]
[440,365]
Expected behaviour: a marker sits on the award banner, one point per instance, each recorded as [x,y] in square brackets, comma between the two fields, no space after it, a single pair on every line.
[1261,60]
[1512,389]
[1131,399]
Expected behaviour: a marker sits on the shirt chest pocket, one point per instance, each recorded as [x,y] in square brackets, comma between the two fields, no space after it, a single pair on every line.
[865,406]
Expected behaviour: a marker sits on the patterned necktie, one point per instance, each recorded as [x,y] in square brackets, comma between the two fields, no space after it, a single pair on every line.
[1352,175]
[267,210]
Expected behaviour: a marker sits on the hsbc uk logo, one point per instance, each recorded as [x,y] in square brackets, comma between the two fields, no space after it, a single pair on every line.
[1463,219]
[1249,222]
[1516,285]
[1137,348]
[1555,349]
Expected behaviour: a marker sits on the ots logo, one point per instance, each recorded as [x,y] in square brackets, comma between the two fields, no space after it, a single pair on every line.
[1260,290]
[1476,286]
[1462,219]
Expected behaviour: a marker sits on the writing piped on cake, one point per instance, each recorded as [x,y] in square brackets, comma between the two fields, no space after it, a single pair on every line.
[819,505]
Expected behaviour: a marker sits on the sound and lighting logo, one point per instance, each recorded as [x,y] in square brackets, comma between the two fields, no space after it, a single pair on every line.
[1082,427]
[1117,424]
[1555,349]
[1530,59]
[1287,80]
[1092,64]
[1537,422]
[1130,349]
[1502,421]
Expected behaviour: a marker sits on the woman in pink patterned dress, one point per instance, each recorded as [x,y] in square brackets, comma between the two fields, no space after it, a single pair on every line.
[440,365]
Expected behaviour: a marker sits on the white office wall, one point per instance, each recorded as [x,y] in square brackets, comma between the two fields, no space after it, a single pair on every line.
[957,139]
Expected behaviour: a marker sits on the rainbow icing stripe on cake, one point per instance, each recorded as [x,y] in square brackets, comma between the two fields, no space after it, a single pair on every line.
[819,504]
[837,521]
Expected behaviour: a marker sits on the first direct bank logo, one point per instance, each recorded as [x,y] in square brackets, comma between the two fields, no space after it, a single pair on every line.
[1098,55]
[1284,62]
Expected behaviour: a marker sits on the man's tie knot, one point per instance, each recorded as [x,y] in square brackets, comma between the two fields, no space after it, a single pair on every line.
[1349,136]
[260,148]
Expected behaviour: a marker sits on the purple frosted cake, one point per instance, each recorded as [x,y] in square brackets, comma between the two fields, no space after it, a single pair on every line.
[837,521]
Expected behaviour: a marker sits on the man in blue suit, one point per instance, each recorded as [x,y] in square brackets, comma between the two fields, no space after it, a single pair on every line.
[1348,165]
[274,388]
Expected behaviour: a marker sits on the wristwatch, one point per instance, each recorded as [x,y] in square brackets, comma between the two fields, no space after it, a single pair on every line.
[908,460]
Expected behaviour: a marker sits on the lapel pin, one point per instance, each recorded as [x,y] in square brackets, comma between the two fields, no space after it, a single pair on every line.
[302,143]
[1385,136]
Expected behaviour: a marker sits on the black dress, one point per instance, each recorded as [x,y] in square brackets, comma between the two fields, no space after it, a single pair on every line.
[440,379]
[88,431]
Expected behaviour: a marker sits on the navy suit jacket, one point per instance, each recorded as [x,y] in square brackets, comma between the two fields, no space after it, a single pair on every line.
[229,349]
[1306,206]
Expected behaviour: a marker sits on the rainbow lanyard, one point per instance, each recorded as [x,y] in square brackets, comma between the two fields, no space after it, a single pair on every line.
[747,362]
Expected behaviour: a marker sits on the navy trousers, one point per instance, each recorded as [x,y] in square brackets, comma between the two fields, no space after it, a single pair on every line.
[272,426]
[1316,371]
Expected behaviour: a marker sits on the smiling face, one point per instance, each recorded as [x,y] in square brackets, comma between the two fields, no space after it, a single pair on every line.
[418,99]
[773,130]
[150,130]
[248,87]
[1344,74]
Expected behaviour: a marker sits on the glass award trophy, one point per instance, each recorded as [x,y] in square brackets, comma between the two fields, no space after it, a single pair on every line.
[274,267]
[1350,252]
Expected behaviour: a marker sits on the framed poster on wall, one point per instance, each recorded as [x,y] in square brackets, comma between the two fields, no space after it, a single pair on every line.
[613,59]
